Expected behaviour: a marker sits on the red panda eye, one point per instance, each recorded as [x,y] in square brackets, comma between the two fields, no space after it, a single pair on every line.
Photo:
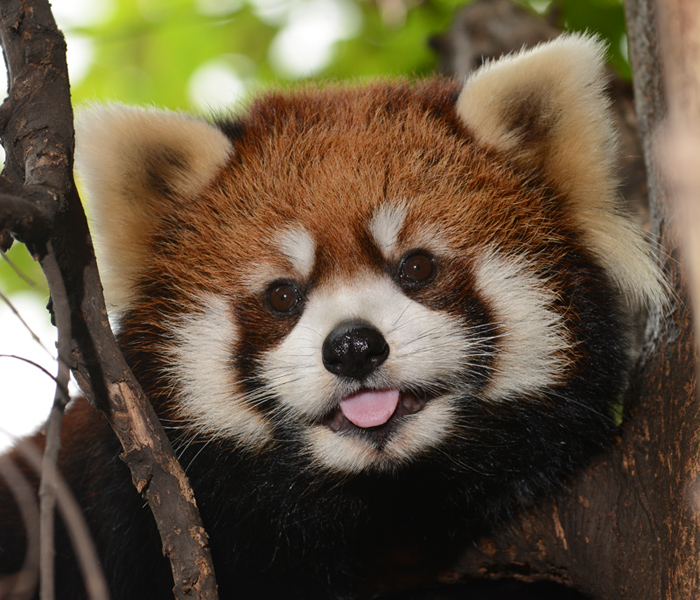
[283,297]
[417,269]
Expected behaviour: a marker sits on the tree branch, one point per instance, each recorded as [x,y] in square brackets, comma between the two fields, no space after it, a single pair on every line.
[85,551]
[37,135]
[23,218]
[23,584]
[47,488]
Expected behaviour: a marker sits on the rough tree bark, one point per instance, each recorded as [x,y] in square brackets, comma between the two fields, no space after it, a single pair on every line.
[39,205]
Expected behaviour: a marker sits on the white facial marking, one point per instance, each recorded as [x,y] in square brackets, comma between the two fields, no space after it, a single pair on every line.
[427,349]
[385,227]
[202,369]
[300,248]
[533,345]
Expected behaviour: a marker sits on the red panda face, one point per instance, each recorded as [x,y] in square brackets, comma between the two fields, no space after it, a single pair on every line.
[369,361]
[365,316]
[379,361]
[375,274]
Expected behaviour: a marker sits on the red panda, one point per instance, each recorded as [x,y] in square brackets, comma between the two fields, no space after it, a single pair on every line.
[375,320]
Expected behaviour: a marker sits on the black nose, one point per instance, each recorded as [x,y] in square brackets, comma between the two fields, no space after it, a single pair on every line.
[354,350]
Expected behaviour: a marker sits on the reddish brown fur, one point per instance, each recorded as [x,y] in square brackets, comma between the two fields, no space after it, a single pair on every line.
[371,148]
[329,158]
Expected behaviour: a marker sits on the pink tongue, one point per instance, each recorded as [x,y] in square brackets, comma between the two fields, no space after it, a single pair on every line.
[371,408]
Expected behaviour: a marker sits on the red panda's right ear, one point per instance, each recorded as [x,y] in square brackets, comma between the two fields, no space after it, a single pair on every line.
[133,164]
[547,111]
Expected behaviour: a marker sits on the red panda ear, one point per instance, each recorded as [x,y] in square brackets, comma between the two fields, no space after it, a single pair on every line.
[133,165]
[546,109]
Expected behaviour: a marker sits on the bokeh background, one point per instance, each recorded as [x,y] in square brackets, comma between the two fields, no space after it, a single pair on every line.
[209,56]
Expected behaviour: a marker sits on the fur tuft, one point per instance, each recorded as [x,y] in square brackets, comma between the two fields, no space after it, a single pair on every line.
[134,163]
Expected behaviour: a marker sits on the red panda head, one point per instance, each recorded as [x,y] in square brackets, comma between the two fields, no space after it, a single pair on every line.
[375,273]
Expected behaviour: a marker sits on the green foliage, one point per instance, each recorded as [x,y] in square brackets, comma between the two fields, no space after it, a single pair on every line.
[150,57]
[385,48]
[19,260]
[148,52]
[605,17]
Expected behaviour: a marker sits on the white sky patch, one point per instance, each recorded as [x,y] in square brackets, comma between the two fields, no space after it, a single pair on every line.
[79,55]
[221,83]
[304,46]
[82,13]
[26,394]
[3,77]
[73,14]
[271,12]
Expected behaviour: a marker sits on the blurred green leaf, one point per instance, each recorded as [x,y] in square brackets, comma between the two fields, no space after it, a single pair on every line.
[604,17]
[22,261]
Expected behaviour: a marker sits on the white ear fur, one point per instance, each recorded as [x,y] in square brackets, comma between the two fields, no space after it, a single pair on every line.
[546,109]
[133,164]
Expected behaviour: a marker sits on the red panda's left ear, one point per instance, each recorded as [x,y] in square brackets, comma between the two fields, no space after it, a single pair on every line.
[134,164]
[546,110]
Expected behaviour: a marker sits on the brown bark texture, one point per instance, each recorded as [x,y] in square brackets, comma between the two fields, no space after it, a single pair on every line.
[628,526]
[39,205]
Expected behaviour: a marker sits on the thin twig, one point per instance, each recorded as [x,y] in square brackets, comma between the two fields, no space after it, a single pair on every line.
[21,585]
[38,366]
[47,489]
[81,539]
[35,337]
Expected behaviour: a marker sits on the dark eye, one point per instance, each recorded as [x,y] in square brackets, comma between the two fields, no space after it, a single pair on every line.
[417,269]
[283,297]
